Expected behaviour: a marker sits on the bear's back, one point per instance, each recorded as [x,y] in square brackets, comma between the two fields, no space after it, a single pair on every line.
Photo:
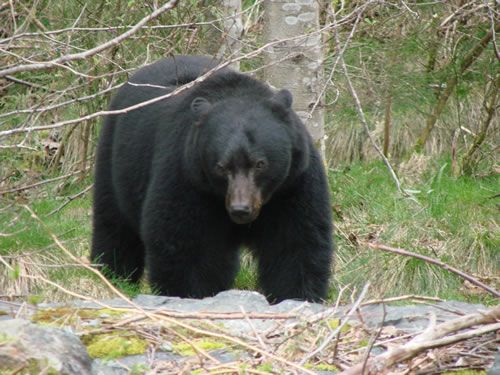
[174,71]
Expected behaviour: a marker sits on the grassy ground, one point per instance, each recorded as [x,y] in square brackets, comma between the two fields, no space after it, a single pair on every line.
[451,219]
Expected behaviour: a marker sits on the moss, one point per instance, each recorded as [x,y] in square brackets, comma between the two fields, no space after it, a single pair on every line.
[139,368]
[48,316]
[361,343]
[186,349]
[334,324]
[321,367]
[265,367]
[32,366]
[465,372]
[34,299]
[4,339]
[114,345]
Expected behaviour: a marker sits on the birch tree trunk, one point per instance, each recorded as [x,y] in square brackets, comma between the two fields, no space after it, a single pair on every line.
[295,63]
[223,39]
[233,30]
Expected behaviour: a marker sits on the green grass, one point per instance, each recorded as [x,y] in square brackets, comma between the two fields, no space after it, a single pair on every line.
[70,223]
[28,247]
[451,219]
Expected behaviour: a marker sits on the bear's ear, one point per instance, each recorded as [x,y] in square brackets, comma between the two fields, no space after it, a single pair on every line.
[200,106]
[283,98]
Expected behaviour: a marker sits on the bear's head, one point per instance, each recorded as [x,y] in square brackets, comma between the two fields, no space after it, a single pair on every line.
[248,150]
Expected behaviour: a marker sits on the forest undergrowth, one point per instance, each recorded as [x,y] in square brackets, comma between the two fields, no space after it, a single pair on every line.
[421,66]
[448,218]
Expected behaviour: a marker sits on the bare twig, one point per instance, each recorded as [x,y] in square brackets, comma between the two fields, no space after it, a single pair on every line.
[363,120]
[26,187]
[12,233]
[401,298]
[431,338]
[83,55]
[70,199]
[373,339]
[151,315]
[29,84]
[333,334]
[450,85]
[200,79]
[62,104]
[435,262]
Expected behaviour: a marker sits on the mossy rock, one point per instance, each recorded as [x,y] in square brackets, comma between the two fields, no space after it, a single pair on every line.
[31,366]
[321,367]
[335,323]
[187,350]
[114,345]
[69,314]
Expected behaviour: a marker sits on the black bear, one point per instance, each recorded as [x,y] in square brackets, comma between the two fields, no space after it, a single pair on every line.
[181,184]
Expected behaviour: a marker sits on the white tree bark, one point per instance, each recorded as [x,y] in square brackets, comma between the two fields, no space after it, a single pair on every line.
[223,37]
[233,29]
[296,64]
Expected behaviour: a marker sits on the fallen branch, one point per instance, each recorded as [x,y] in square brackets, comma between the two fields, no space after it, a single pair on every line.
[334,333]
[435,262]
[155,316]
[412,297]
[432,337]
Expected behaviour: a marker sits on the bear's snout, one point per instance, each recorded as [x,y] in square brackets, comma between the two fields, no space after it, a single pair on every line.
[241,214]
[243,198]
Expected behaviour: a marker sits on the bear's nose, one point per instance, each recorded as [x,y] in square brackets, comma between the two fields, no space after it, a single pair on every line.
[241,214]
[240,210]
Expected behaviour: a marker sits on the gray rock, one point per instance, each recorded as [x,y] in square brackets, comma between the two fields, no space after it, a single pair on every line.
[407,318]
[65,353]
[495,369]
[415,318]
[37,347]
[122,366]
[227,301]
[8,310]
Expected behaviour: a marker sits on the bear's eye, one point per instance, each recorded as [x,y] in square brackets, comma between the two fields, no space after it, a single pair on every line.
[260,165]
[220,169]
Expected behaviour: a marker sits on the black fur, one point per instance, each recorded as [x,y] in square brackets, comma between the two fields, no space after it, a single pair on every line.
[183,183]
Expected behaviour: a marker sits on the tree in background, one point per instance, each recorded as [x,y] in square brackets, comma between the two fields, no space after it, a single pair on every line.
[296,62]
[421,70]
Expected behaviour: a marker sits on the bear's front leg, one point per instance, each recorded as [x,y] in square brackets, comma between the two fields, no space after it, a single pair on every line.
[293,242]
[190,251]
[295,268]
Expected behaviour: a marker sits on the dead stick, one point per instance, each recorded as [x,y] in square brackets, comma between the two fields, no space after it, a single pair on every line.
[60,61]
[432,337]
[401,298]
[150,315]
[435,262]
[26,187]
[70,199]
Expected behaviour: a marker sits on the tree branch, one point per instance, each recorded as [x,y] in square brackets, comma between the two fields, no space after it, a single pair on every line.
[435,262]
[433,336]
[473,54]
[26,187]
[83,55]
[362,118]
